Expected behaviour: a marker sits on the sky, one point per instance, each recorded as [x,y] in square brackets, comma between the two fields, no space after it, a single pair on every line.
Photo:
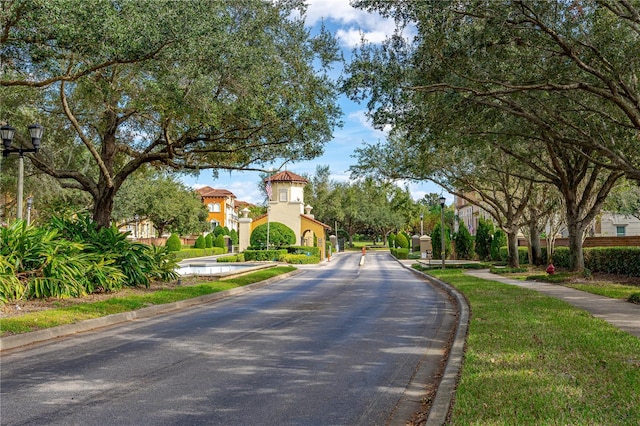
[348,24]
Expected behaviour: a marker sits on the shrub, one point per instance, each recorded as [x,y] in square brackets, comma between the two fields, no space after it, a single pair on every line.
[634,298]
[279,235]
[437,242]
[391,240]
[208,241]
[400,253]
[219,230]
[200,243]
[298,259]
[263,255]
[194,252]
[234,237]
[402,241]
[231,258]
[561,257]
[306,250]
[463,242]
[613,260]
[499,240]
[483,239]
[173,243]
[220,243]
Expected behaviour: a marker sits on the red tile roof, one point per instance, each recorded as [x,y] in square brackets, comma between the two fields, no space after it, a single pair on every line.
[207,191]
[286,176]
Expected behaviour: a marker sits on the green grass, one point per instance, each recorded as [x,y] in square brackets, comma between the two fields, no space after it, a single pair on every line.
[532,359]
[615,291]
[83,311]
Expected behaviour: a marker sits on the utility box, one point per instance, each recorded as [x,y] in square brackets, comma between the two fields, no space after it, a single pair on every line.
[426,248]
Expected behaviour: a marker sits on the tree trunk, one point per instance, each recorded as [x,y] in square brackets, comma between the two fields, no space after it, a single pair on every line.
[512,241]
[534,244]
[576,254]
[103,207]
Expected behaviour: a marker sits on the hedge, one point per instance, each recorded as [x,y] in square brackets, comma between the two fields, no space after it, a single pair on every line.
[193,252]
[299,259]
[400,253]
[231,258]
[306,250]
[262,255]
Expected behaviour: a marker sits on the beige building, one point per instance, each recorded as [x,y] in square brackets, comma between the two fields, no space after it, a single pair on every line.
[286,205]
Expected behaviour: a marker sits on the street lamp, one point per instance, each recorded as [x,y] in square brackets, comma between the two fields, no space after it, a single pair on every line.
[421,224]
[29,204]
[7,132]
[442,253]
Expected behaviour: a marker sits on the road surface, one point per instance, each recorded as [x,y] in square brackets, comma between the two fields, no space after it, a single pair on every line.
[335,345]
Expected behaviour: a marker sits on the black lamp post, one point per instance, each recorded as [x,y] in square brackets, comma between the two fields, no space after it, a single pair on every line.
[421,224]
[7,132]
[442,253]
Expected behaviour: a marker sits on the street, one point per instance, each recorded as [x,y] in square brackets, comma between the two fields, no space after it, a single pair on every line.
[335,345]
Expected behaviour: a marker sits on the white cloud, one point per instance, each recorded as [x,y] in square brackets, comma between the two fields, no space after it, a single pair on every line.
[361,117]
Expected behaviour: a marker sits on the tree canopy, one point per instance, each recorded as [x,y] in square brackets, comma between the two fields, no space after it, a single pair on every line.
[178,85]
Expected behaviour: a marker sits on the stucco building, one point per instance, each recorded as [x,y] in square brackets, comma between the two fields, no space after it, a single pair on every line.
[221,206]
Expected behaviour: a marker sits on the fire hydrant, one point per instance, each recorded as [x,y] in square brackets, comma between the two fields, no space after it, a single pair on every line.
[551,269]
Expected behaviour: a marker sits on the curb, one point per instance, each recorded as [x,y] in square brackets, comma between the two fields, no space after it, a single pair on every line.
[445,393]
[24,339]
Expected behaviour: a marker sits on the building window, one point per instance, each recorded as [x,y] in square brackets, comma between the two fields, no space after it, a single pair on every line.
[215,208]
[282,195]
[620,231]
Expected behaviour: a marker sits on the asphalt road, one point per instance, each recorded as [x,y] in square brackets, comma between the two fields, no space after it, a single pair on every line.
[335,345]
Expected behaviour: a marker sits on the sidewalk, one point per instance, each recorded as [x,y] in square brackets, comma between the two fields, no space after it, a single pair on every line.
[619,313]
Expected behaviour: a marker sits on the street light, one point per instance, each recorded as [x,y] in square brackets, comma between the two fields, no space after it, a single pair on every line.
[421,224]
[29,204]
[442,253]
[7,132]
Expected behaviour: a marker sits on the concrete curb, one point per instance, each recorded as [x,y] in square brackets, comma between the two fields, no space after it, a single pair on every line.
[445,393]
[24,339]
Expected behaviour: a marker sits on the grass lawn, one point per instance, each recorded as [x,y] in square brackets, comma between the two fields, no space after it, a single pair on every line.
[535,360]
[55,314]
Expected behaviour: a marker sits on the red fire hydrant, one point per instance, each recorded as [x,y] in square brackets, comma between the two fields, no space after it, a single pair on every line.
[551,269]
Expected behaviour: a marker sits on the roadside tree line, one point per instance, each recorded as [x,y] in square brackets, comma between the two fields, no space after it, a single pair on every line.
[534,106]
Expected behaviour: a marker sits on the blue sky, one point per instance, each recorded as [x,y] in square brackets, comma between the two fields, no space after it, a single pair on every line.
[348,24]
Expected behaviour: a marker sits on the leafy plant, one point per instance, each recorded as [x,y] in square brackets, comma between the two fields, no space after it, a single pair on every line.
[173,243]
[279,235]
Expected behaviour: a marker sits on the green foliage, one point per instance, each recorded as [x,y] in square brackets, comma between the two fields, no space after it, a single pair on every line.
[220,230]
[298,259]
[499,240]
[173,243]
[561,257]
[402,241]
[208,241]
[234,237]
[263,255]
[306,250]
[200,242]
[72,258]
[484,234]
[391,240]
[190,253]
[495,270]
[400,253]
[634,298]
[220,242]
[437,242]
[613,260]
[463,242]
[523,254]
[231,258]
[279,235]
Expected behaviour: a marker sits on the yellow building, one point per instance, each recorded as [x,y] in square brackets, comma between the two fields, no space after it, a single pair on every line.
[221,206]
[286,205]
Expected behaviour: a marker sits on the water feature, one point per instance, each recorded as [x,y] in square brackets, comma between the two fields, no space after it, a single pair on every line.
[217,269]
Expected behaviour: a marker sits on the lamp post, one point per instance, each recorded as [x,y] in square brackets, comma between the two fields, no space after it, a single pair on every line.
[7,132]
[442,253]
[421,224]
[29,204]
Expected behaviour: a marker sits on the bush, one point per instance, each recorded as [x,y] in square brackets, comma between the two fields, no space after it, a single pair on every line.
[561,257]
[634,298]
[200,243]
[391,240]
[402,241]
[299,259]
[306,250]
[208,241]
[231,258]
[463,242]
[483,238]
[279,235]
[523,255]
[220,243]
[400,253]
[173,243]
[263,255]
[194,252]
[613,260]
[499,240]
